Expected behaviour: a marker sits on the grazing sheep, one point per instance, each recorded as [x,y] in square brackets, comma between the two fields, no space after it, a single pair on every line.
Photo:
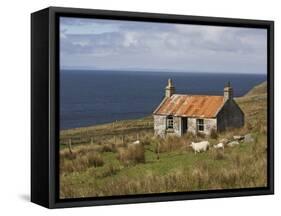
[200,146]
[238,138]
[224,141]
[136,142]
[233,143]
[219,146]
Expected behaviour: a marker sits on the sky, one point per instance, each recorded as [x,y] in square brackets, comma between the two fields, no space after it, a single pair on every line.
[99,44]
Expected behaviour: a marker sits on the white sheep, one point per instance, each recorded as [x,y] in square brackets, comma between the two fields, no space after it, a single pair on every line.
[238,138]
[200,146]
[219,146]
[136,142]
[233,143]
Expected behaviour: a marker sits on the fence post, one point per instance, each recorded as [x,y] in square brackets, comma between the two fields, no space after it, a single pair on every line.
[158,150]
[69,145]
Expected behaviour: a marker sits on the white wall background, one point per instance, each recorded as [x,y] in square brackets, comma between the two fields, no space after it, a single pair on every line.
[15,106]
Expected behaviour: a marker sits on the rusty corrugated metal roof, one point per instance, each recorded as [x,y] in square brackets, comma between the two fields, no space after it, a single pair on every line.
[204,106]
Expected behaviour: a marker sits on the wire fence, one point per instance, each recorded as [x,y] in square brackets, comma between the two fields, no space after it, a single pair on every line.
[111,133]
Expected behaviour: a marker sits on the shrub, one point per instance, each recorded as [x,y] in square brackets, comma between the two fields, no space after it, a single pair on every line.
[81,162]
[122,154]
[200,135]
[66,154]
[109,148]
[146,141]
[249,126]
[133,154]
[170,143]
[137,153]
[66,166]
[109,170]
[95,160]
[213,134]
[219,155]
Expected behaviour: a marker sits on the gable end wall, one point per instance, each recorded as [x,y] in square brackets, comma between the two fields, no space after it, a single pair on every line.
[230,116]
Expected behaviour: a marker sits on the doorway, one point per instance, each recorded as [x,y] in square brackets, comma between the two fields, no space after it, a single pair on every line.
[184,124]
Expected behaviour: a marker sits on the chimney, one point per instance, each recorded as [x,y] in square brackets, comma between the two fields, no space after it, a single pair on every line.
[170,89]
[228,92]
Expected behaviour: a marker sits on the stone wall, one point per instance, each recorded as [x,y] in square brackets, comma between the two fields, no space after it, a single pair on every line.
[159,125]
[230,116]
[209,125]
[177,126]
[191,125]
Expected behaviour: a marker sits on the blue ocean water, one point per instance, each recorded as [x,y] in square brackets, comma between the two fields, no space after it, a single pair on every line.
[95,97]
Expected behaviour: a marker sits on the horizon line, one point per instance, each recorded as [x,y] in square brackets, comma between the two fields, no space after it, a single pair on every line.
[160,71]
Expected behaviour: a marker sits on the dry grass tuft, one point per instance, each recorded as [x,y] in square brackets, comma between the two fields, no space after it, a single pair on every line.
[109,148]
[132,154]
[170,144]
[213,134]
[219,155]
[95,160]
[80,162]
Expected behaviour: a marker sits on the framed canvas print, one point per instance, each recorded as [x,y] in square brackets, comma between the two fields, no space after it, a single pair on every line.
[139,107]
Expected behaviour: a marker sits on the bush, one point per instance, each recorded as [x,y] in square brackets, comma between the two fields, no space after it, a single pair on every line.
[122,154]
[249,126]
[109,170]
[66,154]
[132,154]
[213,134]
[109,148]
[81,162]
[95,160]
[200,135]
[137,153]
[66,166]
[219,155]
[170,143]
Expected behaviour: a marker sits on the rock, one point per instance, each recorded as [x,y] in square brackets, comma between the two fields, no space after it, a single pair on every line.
[224,141]
[248,138]
[233,143]
[219,146]
[238,137]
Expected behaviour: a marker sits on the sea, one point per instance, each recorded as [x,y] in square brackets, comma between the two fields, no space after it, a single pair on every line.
[95,97]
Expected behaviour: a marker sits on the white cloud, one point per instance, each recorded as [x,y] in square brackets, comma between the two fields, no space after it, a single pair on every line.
[142,45]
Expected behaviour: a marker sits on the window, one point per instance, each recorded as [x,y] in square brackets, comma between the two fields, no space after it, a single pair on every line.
[170,122]
[200,124]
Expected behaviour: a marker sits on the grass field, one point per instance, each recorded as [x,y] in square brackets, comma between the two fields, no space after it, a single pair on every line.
[100,161]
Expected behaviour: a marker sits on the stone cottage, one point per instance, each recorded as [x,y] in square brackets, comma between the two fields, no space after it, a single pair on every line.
[180,113]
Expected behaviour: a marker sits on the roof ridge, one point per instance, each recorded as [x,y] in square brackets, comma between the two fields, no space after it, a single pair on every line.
[198,95]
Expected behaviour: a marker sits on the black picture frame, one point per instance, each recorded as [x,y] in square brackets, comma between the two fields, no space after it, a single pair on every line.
[45,106]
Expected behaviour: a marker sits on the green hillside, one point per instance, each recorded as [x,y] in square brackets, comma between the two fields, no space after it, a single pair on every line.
[101,161]
[260,89]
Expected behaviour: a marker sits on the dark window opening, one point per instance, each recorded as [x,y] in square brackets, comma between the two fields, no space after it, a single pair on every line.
[200,124]
[170,122]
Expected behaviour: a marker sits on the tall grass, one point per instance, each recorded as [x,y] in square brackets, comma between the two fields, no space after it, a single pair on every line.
[132,154]
[242,166]
[238,167]
[76,162]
